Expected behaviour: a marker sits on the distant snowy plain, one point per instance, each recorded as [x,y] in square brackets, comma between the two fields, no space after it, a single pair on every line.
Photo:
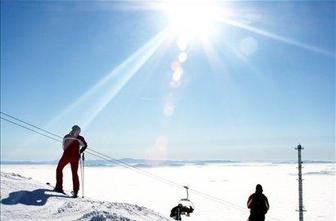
[231,182]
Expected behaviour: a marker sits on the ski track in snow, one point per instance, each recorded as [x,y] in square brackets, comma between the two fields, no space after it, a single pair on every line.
[25,199]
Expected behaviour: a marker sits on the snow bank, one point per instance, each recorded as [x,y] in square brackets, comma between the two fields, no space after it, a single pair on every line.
[25,199]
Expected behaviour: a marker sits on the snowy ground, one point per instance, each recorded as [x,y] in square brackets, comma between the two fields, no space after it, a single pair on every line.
[231,182]
[25,199]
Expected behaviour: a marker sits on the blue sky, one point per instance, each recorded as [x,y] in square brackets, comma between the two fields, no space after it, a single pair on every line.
[265,83]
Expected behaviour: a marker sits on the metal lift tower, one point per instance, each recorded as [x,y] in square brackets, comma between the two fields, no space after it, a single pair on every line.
[301,210]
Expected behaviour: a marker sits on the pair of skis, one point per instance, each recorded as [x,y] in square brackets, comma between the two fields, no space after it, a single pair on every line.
[72,194]
[53,189]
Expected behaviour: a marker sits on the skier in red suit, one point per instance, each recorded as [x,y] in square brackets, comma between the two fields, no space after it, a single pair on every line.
[73,146]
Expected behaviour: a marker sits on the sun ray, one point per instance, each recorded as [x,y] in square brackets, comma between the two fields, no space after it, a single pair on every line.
[126,73]
[211,53]
[275,36]
[123,73]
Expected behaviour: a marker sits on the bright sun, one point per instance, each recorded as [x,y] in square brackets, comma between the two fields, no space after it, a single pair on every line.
[192,19]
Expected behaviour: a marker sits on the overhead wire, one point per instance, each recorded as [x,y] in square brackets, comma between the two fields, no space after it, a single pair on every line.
[122,163]
[29,124]
[89,150]
[27,128]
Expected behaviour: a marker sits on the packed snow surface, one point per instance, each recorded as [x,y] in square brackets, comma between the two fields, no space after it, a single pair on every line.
[25,199]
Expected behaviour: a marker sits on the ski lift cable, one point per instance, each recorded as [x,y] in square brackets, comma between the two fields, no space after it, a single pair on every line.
[109,159]
[124,164]
[218,200]
[39,128]
[133,168]
[35,131]
[104,157]
[89,150]
[138,169]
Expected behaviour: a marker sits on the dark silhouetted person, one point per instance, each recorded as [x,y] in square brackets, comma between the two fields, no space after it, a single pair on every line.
[178,210]
[73,146]
[258,205]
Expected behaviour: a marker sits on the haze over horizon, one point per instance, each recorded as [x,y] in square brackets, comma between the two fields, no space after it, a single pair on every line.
[159,80]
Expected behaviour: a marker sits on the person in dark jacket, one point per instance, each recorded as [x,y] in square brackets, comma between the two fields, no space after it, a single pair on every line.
[73,146]
[179,210]
[175,212]
[258,205]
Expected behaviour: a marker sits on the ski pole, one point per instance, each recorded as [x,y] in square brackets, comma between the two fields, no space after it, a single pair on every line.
[83,159]
[81,170]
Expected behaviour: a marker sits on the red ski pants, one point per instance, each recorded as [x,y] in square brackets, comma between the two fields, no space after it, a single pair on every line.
[59,173]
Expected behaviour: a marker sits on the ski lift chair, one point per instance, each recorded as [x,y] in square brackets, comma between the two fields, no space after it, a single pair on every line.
[187,205]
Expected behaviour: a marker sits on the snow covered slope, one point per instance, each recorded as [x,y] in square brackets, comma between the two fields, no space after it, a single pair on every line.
[25,199]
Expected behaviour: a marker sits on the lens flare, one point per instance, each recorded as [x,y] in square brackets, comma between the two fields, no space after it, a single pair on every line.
[183,57]
[168,109]
[248,46]
[177,74]
[159,149]
[182,43]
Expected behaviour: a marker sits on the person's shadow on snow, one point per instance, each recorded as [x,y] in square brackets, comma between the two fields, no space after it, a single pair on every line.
[36,197]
